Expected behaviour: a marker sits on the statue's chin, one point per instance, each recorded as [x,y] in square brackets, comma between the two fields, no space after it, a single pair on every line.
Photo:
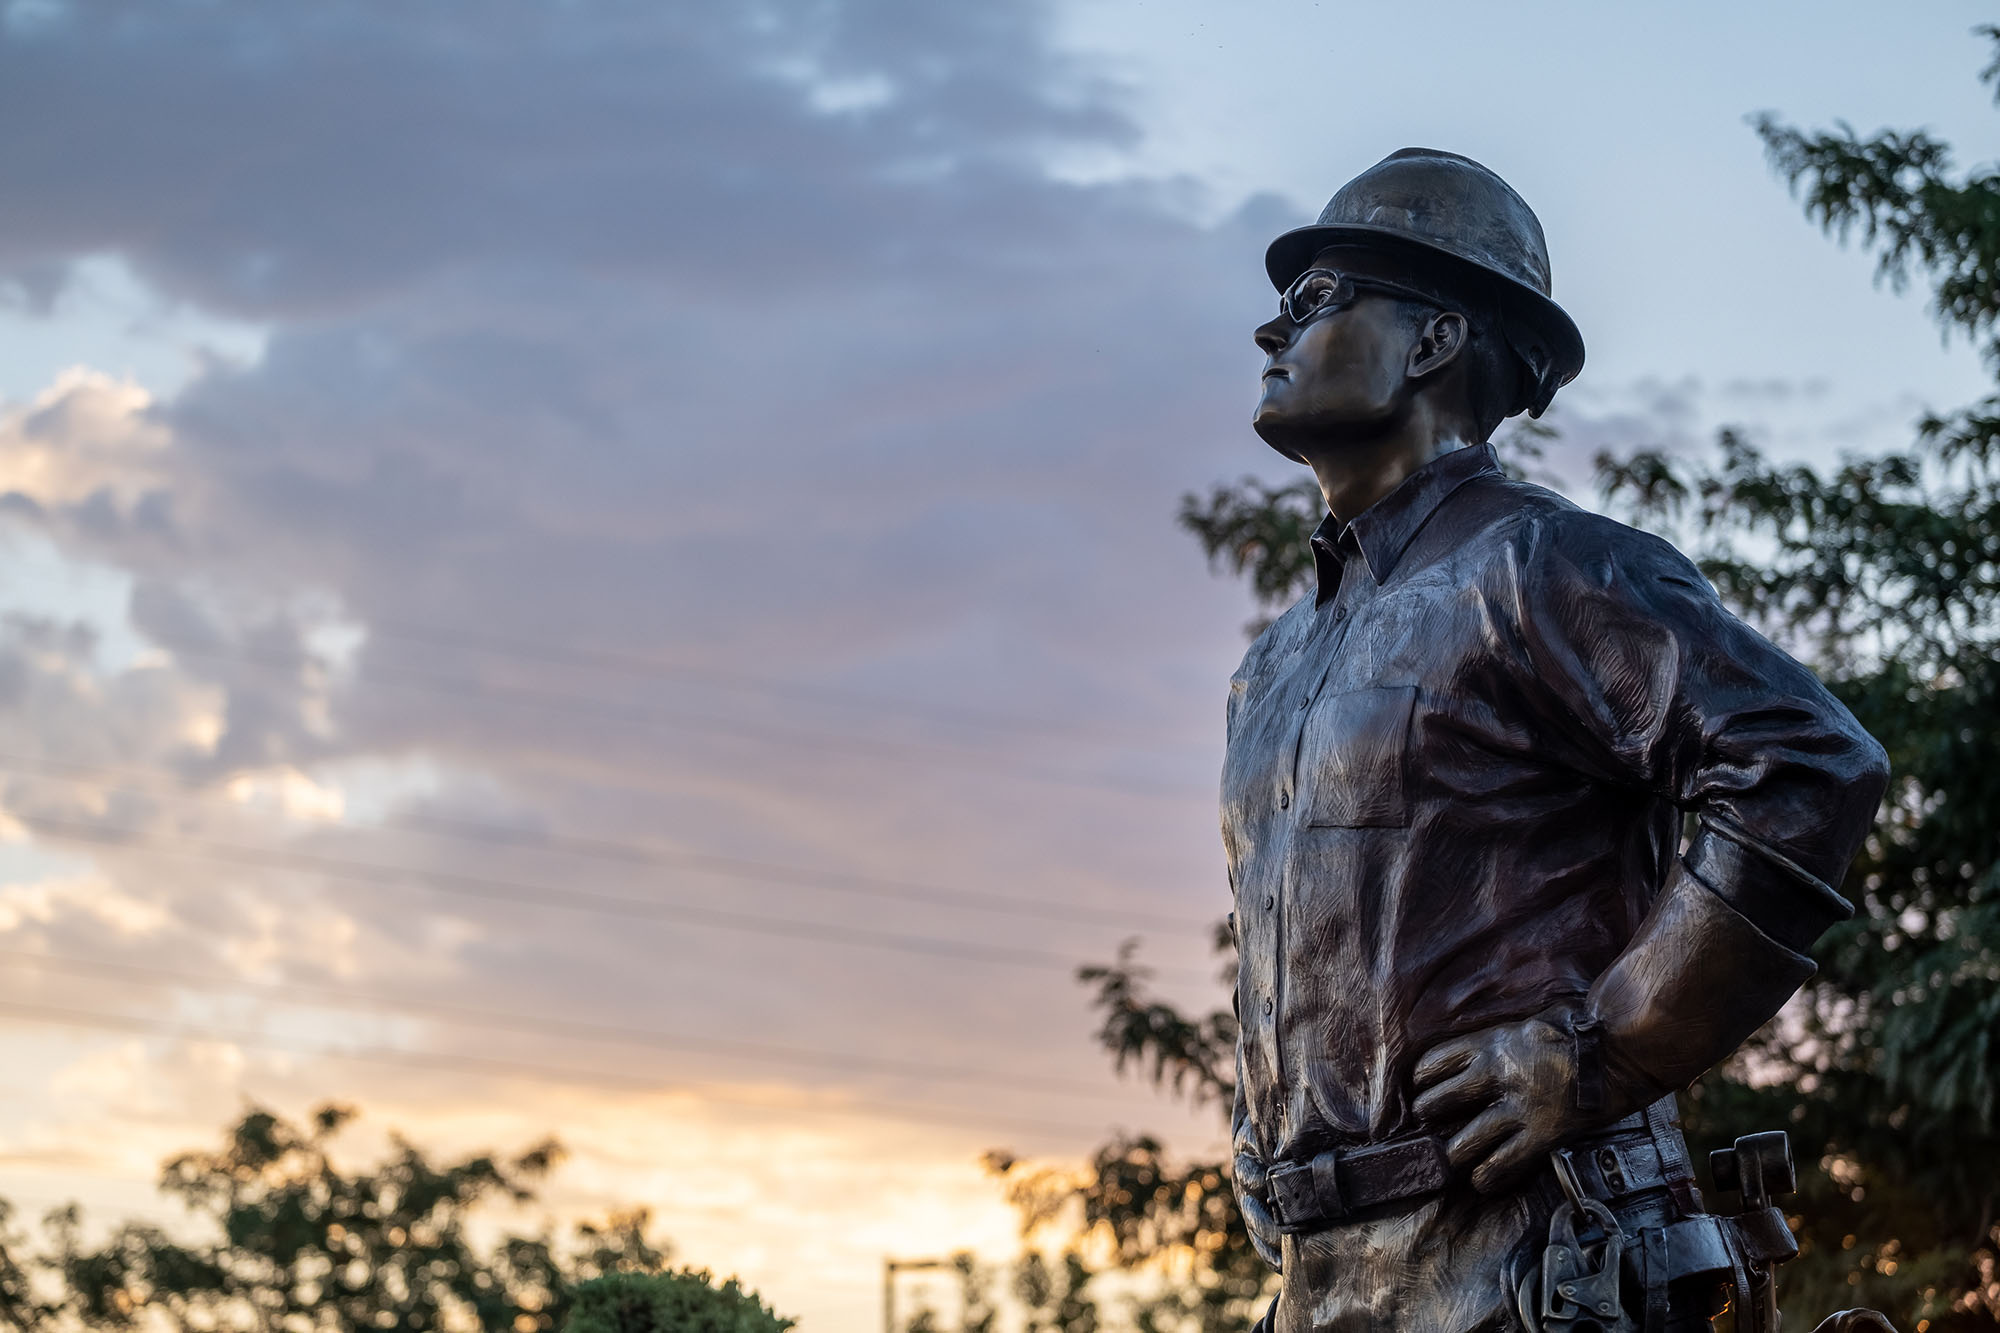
[1275,432]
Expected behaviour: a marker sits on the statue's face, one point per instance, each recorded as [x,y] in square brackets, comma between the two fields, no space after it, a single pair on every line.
[1343,373]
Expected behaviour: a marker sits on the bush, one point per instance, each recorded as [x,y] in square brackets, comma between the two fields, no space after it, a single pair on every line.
[683,1302]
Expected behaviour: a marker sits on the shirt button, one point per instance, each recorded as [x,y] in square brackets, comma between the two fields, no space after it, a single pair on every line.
[1269,1004]
[1270,901]
[1305,703]
[1340,613]
[1284,800]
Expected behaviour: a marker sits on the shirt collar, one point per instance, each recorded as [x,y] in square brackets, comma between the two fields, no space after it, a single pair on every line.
[1382,532]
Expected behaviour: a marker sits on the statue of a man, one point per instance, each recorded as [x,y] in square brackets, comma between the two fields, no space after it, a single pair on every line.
[1525,830]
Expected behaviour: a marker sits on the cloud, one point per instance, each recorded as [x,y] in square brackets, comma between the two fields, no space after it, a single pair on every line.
[301,164]
[86,444]
[708,431]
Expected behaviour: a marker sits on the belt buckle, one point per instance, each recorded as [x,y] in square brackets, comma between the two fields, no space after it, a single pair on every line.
[1297,1201]
[1294,1202]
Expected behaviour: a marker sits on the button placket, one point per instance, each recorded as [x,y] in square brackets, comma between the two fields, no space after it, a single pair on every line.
[1306,702]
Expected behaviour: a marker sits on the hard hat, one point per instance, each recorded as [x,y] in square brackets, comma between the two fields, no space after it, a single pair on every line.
[1433,205]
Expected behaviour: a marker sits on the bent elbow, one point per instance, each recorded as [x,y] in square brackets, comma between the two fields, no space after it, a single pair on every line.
[1870,775]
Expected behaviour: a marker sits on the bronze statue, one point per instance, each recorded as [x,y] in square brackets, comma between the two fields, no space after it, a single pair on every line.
[1477,956]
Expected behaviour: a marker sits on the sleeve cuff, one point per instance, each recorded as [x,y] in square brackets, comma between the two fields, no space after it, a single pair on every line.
[1765,886]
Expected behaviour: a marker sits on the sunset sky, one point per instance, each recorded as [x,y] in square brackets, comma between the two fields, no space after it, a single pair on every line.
[610,567]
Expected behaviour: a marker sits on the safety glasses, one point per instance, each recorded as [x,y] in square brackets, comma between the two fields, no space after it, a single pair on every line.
[1321,291]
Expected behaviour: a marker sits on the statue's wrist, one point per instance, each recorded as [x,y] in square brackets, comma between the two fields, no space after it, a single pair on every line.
[1599,1089]
[1586,1036]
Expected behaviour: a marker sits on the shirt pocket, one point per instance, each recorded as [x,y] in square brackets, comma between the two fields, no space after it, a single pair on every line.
[1355,755]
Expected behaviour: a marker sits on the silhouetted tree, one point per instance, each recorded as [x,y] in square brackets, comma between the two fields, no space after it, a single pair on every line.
[292,1242]
[683,1302]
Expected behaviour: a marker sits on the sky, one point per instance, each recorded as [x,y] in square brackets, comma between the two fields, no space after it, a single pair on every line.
[610,568]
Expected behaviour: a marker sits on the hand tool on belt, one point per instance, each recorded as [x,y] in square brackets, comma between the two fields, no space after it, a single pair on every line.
[1607,1225]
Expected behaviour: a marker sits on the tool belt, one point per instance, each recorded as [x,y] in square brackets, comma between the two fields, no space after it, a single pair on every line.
[1622,1159]
[1632,1219]
[1632,1249]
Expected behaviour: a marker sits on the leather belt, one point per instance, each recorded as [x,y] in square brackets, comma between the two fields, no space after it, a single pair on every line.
[1613,1163]
[1340,1182]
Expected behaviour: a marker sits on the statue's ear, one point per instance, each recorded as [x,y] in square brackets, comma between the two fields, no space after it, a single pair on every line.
[1538,368]
[1440,342]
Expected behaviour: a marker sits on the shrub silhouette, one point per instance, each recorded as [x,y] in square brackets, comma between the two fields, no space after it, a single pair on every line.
[683,1302]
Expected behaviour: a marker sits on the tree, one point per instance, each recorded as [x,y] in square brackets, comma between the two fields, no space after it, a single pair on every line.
[1132,1208]
[683,1302]
[1885,574]
[294,1242]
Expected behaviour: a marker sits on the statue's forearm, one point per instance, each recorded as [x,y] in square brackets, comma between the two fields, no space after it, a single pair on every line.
[1720,952]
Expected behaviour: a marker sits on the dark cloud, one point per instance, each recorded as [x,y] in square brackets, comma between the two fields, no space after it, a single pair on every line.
[754,347]
[279,164]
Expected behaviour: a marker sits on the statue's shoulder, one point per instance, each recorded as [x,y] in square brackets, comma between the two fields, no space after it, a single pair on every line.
[1524,526]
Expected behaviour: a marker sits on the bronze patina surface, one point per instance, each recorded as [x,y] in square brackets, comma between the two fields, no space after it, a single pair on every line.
[1525,829]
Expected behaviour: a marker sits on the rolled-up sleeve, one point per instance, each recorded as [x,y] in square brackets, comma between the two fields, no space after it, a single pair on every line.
[1639,675]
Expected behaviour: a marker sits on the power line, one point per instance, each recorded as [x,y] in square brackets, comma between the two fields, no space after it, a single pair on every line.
[641,665]
[637,854]
[499,890]
[59,1016]
[646,666]
[536,1025]
[466,690]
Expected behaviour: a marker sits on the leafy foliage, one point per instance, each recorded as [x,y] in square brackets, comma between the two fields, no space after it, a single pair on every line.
[1259,532]
[1886,572]
[1190,1057]
[1896,189]
[295,1243]
[683,1302]
[977,1312]
[1132,1208]
[1053,1294]
[19,1305]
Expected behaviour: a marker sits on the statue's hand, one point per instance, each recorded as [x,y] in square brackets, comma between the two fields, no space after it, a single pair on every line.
[1511,1090]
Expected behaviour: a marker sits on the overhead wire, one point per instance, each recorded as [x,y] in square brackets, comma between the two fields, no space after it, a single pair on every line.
[735,679]
[630,853]
[520,893]
[542,1025]
[598,659]
[487,887]
[468,690]
[432,1061]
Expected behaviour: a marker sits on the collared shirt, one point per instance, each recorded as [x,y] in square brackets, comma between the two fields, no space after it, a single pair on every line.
[1457,773]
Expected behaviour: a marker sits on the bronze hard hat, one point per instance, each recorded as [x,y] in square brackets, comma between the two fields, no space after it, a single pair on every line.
[1433,205]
